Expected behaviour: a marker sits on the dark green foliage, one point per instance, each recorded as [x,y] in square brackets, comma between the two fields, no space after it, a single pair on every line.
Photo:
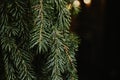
[14,36]
[32,28]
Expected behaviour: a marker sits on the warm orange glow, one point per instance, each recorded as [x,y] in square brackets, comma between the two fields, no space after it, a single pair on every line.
[87,2]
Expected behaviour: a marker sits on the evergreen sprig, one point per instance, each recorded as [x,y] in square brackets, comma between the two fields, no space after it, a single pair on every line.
[40,32]
[53,19]
[14,35]
[40,27]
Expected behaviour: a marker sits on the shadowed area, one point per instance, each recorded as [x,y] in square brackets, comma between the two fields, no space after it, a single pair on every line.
[97,24]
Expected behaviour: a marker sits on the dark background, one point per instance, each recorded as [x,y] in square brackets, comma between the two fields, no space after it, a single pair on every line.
[97,26]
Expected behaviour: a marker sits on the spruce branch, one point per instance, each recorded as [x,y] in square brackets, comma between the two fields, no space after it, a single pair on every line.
[9,69]
[39,37]
[50,34]
[12,35]
[61,54]
[19,61]
[56,59]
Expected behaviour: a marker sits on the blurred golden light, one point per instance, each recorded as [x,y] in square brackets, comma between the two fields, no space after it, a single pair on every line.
[76,3]
[69,6]
[87,2]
